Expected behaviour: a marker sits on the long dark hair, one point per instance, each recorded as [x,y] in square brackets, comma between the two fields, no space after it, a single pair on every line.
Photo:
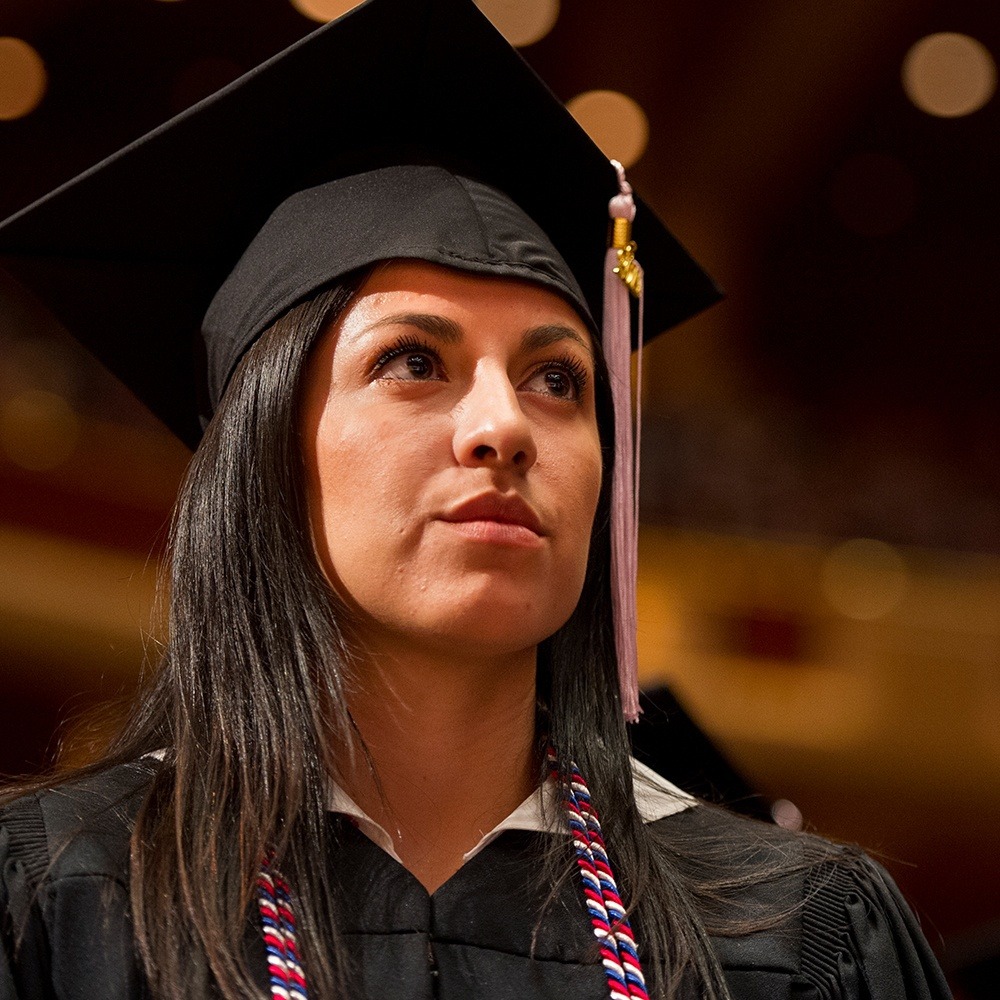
[248,704]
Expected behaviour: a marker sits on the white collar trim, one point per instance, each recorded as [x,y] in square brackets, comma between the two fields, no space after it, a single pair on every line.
[655,798]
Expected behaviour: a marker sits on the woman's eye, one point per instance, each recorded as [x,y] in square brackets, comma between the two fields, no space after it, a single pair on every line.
[563,381]
[409,363]
[415,366]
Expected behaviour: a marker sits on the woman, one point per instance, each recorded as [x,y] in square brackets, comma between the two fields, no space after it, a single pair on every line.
[372,757]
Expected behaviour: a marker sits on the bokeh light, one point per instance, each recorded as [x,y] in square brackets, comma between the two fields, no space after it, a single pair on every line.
[324,10]
[787,814]
[614,121]
[873,194]
[22,78]
[521,22]
[949,74]
[864,579]
[38,429]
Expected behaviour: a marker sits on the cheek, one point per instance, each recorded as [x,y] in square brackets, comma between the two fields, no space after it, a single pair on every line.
[348,478]
[592,468]
[587,472]
[344,481]
[578,493]
[367,483]
[595,475]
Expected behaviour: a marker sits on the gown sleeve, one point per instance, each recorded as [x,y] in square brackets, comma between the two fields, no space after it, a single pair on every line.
[861,941]
[65,929]
[23,862]
[7,989]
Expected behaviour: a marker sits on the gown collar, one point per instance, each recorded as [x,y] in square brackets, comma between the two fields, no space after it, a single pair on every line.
[540,812]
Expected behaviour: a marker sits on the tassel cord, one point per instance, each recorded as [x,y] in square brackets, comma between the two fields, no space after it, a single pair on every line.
[623,278]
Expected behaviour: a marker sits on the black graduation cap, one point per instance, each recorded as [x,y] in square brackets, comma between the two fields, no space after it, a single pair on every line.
[129,255]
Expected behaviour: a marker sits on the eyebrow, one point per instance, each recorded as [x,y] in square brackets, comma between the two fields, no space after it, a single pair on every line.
[439,327]
[541,336]
[449,332]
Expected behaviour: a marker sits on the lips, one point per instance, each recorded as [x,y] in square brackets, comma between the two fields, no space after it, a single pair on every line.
[499,508]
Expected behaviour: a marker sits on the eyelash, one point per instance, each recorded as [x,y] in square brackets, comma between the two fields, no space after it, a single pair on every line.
[405,345]
[572,366]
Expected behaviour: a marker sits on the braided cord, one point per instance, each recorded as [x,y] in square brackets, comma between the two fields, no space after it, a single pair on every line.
[274,902]
[619,954]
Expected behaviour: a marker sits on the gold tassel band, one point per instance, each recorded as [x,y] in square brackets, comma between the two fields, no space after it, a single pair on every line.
[627,268]
[621,233]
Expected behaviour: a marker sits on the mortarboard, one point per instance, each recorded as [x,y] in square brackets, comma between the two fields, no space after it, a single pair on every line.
[407,128]
[129,255]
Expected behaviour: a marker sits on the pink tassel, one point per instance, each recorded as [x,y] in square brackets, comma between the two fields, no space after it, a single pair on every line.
[622,277]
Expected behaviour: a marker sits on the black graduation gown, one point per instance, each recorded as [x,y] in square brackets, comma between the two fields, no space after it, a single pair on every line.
[853,937]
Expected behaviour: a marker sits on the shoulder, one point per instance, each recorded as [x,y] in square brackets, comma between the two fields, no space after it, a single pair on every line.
[819,918]
[79,827]
[65,925]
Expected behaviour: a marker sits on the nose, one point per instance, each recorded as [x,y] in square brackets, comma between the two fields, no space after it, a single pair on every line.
[491,428]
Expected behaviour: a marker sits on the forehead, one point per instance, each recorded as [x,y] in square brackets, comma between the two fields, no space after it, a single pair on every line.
[412,286]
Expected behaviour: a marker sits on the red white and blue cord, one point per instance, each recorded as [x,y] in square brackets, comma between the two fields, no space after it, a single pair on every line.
[619,954]
[277,915]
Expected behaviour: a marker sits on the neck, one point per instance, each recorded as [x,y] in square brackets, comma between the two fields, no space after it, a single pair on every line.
[451,742]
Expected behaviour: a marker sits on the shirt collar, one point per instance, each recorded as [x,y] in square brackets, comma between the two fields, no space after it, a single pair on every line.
[655,798]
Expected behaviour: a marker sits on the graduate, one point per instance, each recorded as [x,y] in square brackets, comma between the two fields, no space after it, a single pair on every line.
[385,752]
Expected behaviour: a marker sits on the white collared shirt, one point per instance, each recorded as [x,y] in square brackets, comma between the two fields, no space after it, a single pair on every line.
[655,798]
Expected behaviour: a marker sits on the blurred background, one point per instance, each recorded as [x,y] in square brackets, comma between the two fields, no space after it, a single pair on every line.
[820,582]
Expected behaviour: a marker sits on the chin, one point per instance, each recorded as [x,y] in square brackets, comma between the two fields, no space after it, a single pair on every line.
[495,645]
[496,626]
[466,613]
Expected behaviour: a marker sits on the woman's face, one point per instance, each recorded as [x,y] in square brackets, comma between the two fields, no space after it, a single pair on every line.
[453,460]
